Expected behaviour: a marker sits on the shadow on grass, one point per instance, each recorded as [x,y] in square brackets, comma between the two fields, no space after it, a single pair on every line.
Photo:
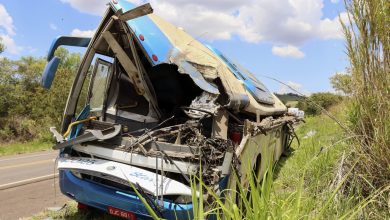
[282,161]
[70,212]
[92,214]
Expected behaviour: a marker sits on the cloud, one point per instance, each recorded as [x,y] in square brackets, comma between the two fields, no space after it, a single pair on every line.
[334,1]
[332,29]
[7,31]
[6,21]
[79,33]
[93,7]
[288,51]
[53,26]
[10,45]
[283,22]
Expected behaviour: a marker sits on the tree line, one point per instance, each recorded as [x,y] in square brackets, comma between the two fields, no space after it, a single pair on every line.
[26,109]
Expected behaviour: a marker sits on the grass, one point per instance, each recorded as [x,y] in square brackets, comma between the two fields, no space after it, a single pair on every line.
[308,174]
[70,212]
[20,148]
[368,49]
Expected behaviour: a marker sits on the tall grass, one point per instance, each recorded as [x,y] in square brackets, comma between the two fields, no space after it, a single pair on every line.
[368,48]
[300,186]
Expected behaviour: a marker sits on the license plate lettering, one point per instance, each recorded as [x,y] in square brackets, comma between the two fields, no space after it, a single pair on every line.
[121,213]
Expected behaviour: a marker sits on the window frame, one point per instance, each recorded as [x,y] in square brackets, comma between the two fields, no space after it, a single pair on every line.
[98,61]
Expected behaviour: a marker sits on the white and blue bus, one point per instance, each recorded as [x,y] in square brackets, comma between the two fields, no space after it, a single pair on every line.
[150,106]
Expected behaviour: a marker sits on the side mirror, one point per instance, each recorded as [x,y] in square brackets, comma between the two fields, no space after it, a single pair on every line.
[50,72]
[53,61]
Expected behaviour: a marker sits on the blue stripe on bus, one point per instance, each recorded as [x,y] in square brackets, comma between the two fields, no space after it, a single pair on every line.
[155,42]
[252,84]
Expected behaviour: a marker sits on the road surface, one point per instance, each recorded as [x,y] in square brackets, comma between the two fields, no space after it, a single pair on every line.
[27,185]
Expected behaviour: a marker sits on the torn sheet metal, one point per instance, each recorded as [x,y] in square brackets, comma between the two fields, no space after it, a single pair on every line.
[185,67]
[252,84]
[203,105]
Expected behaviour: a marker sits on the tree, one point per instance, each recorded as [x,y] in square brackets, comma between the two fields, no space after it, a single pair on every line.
[342,82]
[26,109]
[313,104]
[2,46]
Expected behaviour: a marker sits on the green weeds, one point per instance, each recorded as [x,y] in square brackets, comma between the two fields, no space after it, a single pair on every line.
[26,147]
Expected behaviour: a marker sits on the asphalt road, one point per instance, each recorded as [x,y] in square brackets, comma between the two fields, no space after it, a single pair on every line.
[27,185]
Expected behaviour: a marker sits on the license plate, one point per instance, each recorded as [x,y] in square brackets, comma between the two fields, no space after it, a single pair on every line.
[121,213]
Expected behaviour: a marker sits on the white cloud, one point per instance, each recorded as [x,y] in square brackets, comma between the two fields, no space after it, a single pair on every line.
[283,22]
[53,26]
[334,1]
[332,29]
[288,51]
[79,33]
[10,45]
[94,7]
[7,31]
[6,21]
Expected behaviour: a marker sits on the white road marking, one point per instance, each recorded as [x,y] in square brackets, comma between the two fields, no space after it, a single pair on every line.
[27,164]
[27,181]
[37,155]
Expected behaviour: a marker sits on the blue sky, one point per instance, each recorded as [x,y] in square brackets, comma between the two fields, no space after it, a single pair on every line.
[296,41]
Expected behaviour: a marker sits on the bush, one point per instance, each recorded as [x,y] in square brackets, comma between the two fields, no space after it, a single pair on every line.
[27,110]
[314,104]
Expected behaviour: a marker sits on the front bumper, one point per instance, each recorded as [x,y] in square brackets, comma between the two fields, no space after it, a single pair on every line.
[101,197]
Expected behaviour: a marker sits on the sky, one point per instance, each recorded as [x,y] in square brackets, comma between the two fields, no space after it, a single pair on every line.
[299,42]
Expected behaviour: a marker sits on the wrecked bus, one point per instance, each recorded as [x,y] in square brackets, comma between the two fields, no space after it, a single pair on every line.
[159,107]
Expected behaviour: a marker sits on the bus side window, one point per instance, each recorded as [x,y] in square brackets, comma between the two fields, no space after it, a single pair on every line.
[82,101]
[98,84]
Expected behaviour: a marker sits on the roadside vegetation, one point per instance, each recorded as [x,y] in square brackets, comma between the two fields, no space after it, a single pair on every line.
[23,147]
[70,212]
[26,109]
[317,102]
[368,49]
